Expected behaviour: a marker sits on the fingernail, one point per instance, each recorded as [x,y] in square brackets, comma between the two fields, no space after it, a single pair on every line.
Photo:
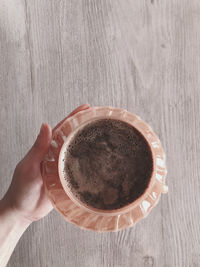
[85,105]
[41,128]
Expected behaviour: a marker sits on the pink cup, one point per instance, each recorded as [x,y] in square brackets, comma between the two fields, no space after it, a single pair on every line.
[72,208]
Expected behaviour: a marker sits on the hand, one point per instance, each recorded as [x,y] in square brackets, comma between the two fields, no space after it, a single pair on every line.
[26,196]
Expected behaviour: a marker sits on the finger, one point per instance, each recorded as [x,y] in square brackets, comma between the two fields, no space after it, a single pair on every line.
[41,145]
[82,107]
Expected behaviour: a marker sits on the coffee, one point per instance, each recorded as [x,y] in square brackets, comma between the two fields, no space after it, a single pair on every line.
[108,164]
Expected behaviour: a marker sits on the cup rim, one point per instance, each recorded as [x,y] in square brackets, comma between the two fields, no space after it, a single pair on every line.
[66,188]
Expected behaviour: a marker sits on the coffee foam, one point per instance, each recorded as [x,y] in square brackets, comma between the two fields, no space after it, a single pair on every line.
[108,164]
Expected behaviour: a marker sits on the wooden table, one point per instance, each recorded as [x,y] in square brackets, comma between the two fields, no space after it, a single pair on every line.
[140,55]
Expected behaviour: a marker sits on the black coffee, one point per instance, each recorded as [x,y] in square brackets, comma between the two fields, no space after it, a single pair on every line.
[108,164]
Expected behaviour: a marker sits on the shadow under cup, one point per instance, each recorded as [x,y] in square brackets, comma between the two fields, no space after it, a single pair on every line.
[105,165]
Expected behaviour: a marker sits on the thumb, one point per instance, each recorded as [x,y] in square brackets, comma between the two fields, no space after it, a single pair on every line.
[41,145]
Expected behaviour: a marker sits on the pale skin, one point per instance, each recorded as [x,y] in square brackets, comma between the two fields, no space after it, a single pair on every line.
[25,200]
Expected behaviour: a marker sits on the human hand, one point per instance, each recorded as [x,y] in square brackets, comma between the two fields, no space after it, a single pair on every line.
[26,196]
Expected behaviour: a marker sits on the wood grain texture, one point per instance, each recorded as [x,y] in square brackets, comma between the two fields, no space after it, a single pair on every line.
[142,55]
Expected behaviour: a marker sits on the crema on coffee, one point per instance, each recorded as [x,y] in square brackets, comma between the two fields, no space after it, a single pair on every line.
[108,164]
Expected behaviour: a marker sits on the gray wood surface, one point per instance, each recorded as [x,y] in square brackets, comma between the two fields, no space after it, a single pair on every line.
[142,55]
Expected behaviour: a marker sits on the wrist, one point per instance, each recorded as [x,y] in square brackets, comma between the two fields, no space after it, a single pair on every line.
[12,227]
[16,221]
